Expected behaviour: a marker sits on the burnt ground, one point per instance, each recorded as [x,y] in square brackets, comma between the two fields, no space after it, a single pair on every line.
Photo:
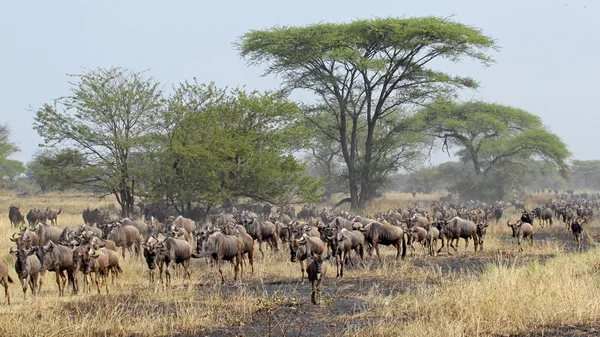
[287,311]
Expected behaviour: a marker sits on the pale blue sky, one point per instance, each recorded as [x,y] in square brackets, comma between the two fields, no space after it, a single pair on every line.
[547,64]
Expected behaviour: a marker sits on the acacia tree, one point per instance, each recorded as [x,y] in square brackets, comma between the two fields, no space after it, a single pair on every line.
[499,141]
[364,72]
[215,145]
[104,120]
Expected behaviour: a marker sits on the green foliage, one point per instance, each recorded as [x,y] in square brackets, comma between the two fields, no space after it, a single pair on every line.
[585,174]
[224,145]
[500,142]
[6,146]
[366,74]
[10,170]
[65,169]
[102,122]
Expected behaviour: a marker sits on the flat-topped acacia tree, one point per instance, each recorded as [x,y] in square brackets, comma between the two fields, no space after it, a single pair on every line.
[364,73]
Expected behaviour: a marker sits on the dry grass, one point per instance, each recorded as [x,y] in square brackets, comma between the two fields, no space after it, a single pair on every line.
[498,291]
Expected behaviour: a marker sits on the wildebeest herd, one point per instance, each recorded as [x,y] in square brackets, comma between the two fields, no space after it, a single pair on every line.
[312,237]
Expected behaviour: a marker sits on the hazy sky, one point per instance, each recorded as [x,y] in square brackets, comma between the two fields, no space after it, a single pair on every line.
[548,63]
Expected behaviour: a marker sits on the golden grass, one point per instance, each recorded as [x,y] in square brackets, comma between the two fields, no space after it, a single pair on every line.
[505,299]
[515,293]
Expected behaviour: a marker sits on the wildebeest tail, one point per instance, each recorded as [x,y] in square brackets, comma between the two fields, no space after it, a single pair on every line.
[403,246]
[10,280]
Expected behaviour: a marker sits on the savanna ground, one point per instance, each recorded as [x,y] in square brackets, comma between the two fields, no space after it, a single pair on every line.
[547,290]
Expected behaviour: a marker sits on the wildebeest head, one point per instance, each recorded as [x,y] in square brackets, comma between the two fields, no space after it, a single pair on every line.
[481,231]
[295,246]
[22,255]
[150,252]
[514,227]
[318,259]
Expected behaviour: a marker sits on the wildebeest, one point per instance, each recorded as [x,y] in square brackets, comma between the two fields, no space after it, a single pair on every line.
[188,224]
[93,261]
[46,233]
[481,232]
[521,230]
[231,229]
[527,217]
[259,230]
[52,215]
[153,259]
[25,239]
[224,218]
[27,267]
[433,234]
[577,230]
[125,237]
[416,234]
[456,229]
[418,220]
[174,251]
[59,258]
[94,217]
[136,212]
[141,226]
[544,214]
[223,247]
[302,248]
[15,216]
[5,279]
[316,270]
[344,242]
[35,215]
[376,233]
[97,232]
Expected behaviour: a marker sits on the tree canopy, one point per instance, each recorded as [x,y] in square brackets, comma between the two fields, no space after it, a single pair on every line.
[224,145]
[7,147]
[366,74]
[499,141]
[103,122]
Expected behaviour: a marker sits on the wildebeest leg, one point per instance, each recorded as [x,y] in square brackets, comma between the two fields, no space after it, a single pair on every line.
[260,247]
[302,270]
[24,283]
[312,294]
[442,247]
[186,269]
[59,283]
[343,261]
[168,273]
[6,293]
[41,282]
[220,271]
[251,260]
[379,256]
[97,279]
[33,284]
[123,251]
[160,272]
[105,279]
[237,266]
